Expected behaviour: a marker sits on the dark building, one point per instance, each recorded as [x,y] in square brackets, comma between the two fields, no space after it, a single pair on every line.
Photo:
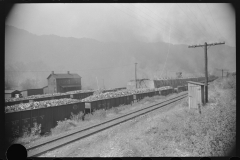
[30,92]
[12,93]
[45,90]
[63,82]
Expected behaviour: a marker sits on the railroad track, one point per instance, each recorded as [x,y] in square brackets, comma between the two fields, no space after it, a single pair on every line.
[41,148]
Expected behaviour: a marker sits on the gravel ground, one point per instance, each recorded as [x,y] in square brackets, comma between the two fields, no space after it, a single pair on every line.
[136,138]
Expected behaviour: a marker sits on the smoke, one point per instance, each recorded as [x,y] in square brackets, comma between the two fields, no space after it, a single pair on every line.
[112,63]
[20,75]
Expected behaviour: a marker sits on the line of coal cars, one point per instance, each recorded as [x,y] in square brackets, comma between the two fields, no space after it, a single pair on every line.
[22,113]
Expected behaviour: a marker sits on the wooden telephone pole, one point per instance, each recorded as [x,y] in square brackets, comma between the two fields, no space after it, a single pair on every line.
[223,70]
[136,74]
[206,71]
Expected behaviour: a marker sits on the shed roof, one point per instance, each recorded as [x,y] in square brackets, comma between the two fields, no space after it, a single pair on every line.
[32,89]
[59,76]
[71,86]
[11,91]
[197,83]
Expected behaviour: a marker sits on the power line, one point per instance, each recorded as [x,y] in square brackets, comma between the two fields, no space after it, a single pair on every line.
[204,17]
[134,17]
[75,70]
[215,24]
[168,45]
[196,18]
[148,20]
[206,69]
[167,52]
[191,20]
[161,20]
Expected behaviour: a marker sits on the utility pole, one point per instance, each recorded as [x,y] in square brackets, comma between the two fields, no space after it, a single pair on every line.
[223,70]
[136,74]
[97,83]
[206,74]
[103,84]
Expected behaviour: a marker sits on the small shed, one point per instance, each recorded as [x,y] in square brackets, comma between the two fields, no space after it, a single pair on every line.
[30,92]
[45,90]
[12,93]
[195,94]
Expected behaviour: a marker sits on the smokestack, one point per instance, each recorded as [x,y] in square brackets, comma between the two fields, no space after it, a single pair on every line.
[68,72]
[52,72]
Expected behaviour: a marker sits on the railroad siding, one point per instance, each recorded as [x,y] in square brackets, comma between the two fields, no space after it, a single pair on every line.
[18,122]
[112,102]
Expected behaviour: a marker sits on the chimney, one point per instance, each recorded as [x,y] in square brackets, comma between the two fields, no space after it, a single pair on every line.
[68,72]
[52,72]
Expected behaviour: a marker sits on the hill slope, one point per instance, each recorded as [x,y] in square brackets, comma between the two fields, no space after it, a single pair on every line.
[90,58]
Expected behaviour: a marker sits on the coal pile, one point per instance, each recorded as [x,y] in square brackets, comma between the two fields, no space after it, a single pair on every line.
[39,104]
[116,94]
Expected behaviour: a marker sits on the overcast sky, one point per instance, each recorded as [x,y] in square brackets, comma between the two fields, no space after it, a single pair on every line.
[183,23]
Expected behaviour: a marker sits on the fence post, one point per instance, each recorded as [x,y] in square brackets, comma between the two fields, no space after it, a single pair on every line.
[199,108]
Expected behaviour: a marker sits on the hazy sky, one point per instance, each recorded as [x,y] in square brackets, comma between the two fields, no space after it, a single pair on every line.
[183,23]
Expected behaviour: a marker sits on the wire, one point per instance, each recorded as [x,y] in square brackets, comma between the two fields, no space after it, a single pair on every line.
[167,52]
[204,17]
[168,48]
[74,70]
[215,23]
[133,17]
[161,20]
[191,20]
[196,18]
[146,19]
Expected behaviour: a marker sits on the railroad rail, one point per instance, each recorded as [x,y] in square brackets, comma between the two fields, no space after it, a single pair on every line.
[43,147]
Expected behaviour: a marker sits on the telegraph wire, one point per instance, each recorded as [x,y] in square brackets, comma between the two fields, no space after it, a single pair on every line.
[146,19]
[74,70]
[196,18]
[191,20]
[166,25]
[199,22]
[134,17]
[165,21]
[215,23]
[205,18]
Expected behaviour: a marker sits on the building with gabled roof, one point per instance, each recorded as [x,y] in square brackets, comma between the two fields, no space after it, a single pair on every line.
[60,83]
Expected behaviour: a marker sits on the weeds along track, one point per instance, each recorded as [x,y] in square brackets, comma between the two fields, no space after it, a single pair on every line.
[41,148]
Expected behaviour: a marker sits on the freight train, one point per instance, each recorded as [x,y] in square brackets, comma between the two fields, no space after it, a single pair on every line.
[18,122]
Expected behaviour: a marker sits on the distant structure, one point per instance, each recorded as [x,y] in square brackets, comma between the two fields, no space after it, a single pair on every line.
[30,92]
[179,75]
[60,83]
[231,74]
[45,90]
[12,93]
[141,83]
